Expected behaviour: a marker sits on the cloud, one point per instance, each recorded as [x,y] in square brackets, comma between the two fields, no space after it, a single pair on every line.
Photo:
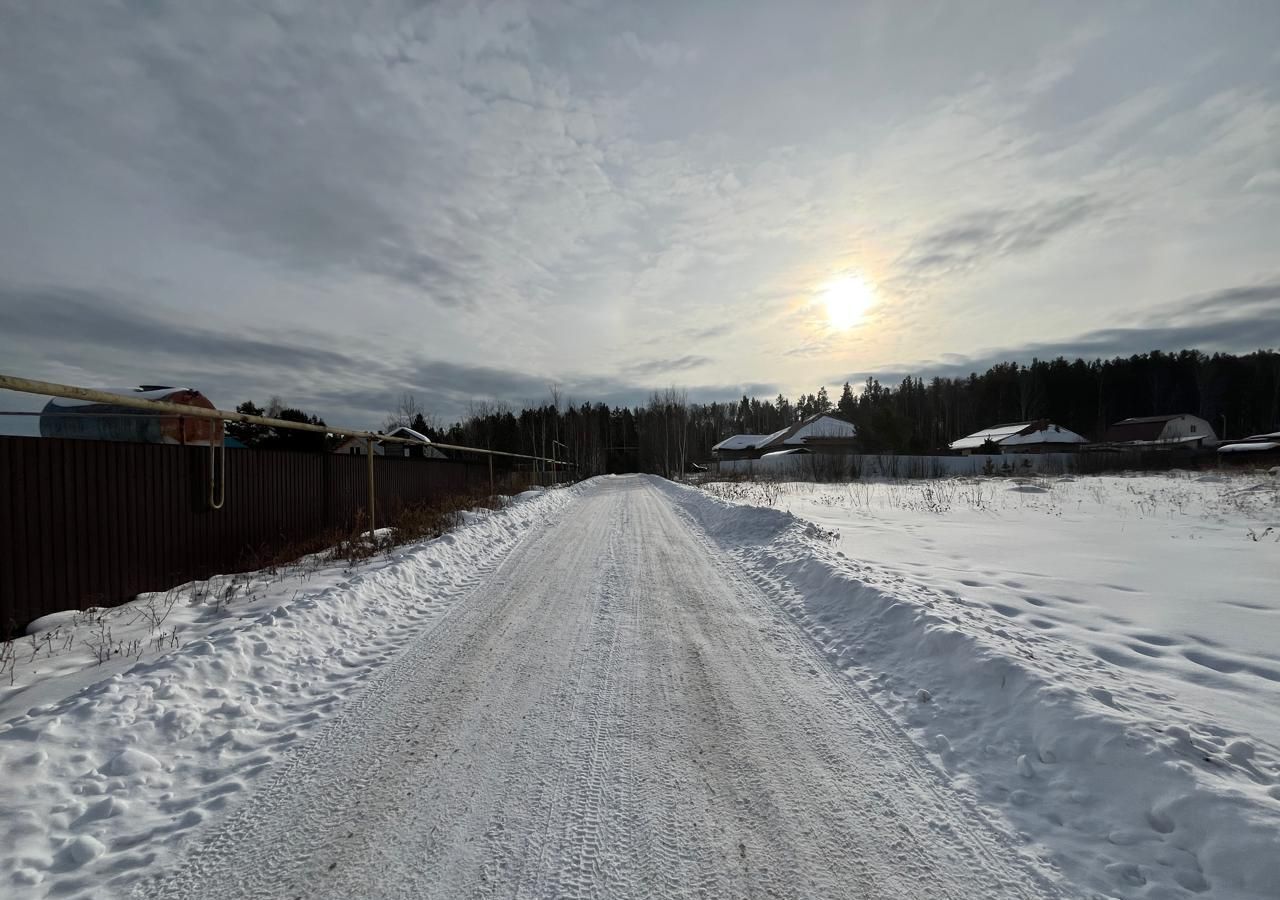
[484,198]
[100,339]
[1235,320]
[666,366]
[388,147]
[1239,303]
[980,237]
[71,323]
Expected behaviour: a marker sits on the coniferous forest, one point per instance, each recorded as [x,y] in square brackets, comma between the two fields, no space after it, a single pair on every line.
[1239,395]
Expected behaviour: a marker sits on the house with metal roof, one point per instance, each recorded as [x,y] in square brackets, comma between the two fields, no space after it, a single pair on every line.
[1040,436]
[819,433]
[1253,450]
[357,446]
[1179,430]
[63,418]
[740,446]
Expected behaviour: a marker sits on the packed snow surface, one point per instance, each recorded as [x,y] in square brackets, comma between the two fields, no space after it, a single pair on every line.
[1101,655]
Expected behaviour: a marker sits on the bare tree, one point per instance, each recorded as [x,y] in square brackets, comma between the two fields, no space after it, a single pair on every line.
[409,413]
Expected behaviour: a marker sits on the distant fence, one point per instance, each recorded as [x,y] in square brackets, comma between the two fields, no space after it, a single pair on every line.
[93,523]
[844,467]
[838,467]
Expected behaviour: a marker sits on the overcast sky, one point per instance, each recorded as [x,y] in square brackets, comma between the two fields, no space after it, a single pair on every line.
[336,202]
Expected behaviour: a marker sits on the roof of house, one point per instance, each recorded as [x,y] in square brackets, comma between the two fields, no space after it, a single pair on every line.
[740,442]
[1139,420]
[405,431]
[995,434]
[1135,430]
[816,428]
[1019,434]
[1046,434]
[146,392]
[1250,446]
[1142,429]
[1254,443]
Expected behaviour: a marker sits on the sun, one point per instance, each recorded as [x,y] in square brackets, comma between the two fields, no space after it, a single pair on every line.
[847,299]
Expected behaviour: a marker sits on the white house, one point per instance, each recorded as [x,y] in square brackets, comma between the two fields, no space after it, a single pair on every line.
[1040,436]
[356,446]
[1178,430]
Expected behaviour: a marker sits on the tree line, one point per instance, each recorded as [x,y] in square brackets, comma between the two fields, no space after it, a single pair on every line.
[1239,395]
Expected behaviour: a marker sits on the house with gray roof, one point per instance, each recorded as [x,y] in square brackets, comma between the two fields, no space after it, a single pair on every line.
[1040,436]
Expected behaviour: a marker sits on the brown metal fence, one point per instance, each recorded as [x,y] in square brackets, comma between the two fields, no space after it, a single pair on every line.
[93,523]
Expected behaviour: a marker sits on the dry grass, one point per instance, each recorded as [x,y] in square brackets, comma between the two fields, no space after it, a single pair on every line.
[411,523]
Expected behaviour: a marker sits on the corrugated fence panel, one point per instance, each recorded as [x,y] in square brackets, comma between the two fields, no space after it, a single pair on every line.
[93,523]
[7,536]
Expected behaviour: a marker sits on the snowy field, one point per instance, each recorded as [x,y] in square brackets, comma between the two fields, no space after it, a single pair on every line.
[1099,656]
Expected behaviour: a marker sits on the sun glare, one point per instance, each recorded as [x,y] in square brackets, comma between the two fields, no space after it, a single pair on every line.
[847,299]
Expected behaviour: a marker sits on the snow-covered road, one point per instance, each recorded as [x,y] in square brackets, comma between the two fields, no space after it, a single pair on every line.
[614,712]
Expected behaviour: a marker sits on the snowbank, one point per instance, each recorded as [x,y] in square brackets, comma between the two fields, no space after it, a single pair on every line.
[200,691]
[1073,750]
